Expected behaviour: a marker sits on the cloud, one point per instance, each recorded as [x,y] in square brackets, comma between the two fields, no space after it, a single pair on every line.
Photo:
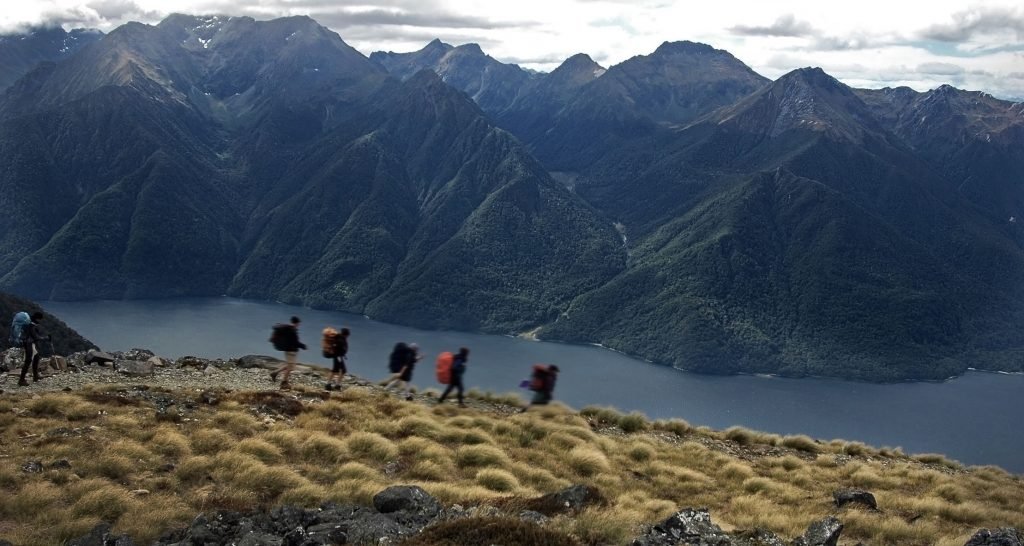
[386,17]
[977,22]
[940,69]
[785,26]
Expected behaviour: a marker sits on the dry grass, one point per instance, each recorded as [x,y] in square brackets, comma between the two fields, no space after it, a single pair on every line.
[337,449]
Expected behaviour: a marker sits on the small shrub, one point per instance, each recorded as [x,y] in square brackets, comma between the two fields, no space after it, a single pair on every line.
[602,415]
[429,471]
[357,471]
[170,443]
[736,471]
[497,480]
[740,435]
[106,503]
[936,459]
[640,452]
[325,450]
[415,425]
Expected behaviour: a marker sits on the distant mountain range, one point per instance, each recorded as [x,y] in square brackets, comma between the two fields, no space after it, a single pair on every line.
[676,206]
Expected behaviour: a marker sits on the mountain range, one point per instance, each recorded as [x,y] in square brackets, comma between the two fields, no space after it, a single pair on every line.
[677,206]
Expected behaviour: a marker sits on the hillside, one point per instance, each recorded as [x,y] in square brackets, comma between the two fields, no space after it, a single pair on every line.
[65,340]
[198,436]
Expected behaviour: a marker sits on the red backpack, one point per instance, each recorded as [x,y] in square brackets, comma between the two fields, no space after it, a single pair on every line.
[444,368]
[538,380]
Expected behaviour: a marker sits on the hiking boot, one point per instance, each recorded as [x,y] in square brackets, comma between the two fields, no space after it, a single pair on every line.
[22,382]
[329,386]
[36,378]
[408,397]
[273,376]
[285,385]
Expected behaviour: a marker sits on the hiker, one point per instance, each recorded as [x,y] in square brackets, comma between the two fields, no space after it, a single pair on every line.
[458,368]
[335,347]
[542,383]
[28,336]
[286,338]
[402,378]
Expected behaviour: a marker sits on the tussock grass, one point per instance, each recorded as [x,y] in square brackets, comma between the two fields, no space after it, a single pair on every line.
[372,446]
[480,455]
[587,461]
[937,459]
[497,480]
[336,448]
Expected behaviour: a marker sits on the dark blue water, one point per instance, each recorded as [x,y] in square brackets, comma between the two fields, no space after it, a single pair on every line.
[975,419]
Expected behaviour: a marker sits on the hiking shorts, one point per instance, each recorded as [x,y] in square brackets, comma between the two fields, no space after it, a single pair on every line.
[339,365]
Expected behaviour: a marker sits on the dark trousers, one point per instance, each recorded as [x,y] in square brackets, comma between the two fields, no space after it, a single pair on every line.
[456,383]
[31,357]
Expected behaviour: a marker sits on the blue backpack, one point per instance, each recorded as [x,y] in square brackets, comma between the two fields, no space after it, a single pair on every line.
[18,325]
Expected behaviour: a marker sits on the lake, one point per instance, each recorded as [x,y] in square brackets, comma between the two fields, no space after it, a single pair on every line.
[974,419]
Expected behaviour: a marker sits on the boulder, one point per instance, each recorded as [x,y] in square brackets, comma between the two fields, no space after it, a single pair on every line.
[406,498]
[134,368]
[572,499]
[99,357]
[59,464]
[32,467]
[191,362]
[1007,536]
[137,354]
[843,497]
[821,533]
[159,362]
[688,526]
[258,361]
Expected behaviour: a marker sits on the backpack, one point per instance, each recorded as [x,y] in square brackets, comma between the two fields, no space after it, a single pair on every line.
[327,342]
[398,357]
[279,335]
[444,368]
[539,378]
[18,325]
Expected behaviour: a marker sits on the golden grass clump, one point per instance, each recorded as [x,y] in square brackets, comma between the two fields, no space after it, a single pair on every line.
[497,480]
[736,471]
[322,449]
[106,503]
[428,471]
[679,427]
[633,422]
[587,461]
[480,455]
[263,450]
[211,441]
[370,445]
[641,452]
[937,459]
[170,443]
[801,442]
[417,425]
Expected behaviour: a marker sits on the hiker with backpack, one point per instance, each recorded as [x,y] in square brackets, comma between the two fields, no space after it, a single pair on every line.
[457,369]
[401,364]
[335,346]
[285,337]
[542,383]
[25,333]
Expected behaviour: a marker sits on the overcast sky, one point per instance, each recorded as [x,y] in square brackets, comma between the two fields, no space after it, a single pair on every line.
[865,43]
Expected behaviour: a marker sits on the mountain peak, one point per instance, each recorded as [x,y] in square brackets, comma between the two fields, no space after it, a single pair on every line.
[437,45]
[684,47]
[471,48]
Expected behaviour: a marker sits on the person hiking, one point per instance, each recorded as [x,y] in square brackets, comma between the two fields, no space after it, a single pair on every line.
[542,383]
[458,368]
[30,335]
[286,338]
[336,348]
[402,379]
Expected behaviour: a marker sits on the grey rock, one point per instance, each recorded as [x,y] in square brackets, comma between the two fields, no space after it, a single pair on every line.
[32,467]
[406,498]
[688,526]
[209,398]
[326,533]
[137,354]
[191,362]
[1006,536]
[821,533]
[98,357]
[159,361]
[258,361]
[533,517]
[134,368]
[843,497]
[62,463]
[101,536]
[572,499]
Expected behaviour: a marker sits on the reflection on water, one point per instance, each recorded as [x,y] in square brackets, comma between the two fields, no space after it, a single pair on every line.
[973,418]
